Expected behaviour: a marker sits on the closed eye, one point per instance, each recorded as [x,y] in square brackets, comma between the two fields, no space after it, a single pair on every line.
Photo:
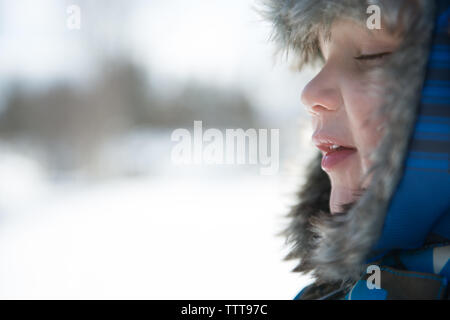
[372,56]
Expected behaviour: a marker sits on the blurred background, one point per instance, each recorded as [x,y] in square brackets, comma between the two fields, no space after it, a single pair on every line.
[91,205]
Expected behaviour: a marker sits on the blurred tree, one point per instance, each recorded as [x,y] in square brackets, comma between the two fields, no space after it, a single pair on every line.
[71,124]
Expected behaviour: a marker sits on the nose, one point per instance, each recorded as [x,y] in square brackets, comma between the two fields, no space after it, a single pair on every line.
[322,93]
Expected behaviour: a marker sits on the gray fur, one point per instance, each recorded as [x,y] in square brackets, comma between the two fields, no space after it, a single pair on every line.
[334,247]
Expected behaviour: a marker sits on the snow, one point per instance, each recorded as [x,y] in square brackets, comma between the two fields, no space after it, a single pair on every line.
[174,236]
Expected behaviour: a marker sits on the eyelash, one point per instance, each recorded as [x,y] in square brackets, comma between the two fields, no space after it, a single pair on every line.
[372,56]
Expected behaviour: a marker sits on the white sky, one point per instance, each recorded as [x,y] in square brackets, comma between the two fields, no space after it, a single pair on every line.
[213,41]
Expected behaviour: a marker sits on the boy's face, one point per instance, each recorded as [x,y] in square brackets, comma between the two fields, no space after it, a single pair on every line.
[343,99]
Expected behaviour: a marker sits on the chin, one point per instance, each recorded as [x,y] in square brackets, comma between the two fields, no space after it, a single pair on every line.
[344,192]
[341,200]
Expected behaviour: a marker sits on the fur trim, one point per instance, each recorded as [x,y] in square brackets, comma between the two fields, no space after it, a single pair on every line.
[297,23]
[334,247]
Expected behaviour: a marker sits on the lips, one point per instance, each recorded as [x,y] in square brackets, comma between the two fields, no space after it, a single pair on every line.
[334,150]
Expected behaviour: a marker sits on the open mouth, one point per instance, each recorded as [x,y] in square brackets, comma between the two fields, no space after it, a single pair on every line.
[333,151]
[334,155]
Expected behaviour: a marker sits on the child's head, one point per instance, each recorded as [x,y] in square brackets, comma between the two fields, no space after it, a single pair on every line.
[346,97]
[343,99]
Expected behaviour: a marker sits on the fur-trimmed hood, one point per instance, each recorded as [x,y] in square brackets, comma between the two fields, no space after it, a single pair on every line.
[334,248]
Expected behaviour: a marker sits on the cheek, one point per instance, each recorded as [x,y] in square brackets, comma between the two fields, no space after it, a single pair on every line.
[363,105]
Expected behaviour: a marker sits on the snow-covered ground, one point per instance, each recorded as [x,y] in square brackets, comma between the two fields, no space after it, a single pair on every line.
[175,236]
